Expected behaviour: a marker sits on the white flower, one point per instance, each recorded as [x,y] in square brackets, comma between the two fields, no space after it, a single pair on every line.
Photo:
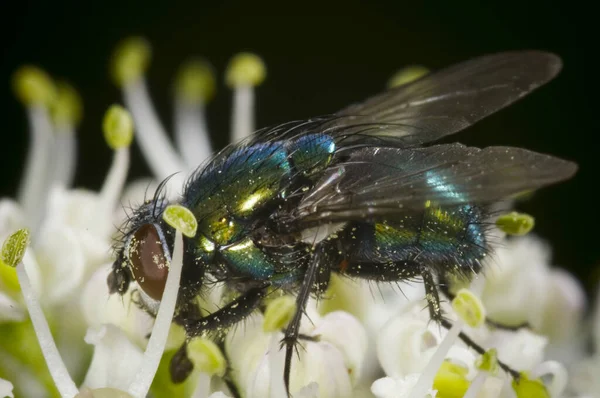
[521,286]
[344,348]
[333,361]
[389,387]
[584,378]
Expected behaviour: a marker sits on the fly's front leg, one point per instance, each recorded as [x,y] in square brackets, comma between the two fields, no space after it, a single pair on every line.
[225,317]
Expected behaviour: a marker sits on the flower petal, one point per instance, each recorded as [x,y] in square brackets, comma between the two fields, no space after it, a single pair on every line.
[389,387]
[62,262]
[98,308]
[347,334]
[10,310]
[11,217]
[6,388]
[115,359]
[407,342]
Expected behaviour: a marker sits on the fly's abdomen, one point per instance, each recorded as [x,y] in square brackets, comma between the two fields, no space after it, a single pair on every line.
[439,237]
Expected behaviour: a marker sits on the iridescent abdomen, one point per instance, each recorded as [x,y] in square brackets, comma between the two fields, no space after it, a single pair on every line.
[436,237]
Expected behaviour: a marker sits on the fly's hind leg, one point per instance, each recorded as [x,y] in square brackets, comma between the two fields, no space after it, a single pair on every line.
[435,311]
[444,287]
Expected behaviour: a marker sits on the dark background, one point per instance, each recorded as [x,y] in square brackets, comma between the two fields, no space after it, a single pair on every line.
[320,57]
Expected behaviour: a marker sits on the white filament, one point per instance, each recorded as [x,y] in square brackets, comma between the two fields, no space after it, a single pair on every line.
[191,132]
[156,345]
[476,385]
[156,147]
[115,179]
[35,182]
[243,113]
[426,378]
[203,386]
[63,381]
[64,156]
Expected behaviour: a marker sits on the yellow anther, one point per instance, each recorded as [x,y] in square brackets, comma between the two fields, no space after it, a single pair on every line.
[515,223]
[67,107]
[407,75]
[488,362]
[118,127]
[14,247]
[196,81]
[181,218]
[130,60]
[451,381]
[469,308]
[527,388]
[33,86]
[279,313]
[206,356]
[245,69]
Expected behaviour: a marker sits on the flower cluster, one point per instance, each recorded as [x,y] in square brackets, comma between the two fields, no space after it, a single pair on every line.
[62,334]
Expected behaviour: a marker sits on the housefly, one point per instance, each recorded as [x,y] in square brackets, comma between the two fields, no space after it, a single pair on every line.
[363,192]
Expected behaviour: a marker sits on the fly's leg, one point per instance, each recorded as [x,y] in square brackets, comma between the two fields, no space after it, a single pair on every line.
[432,296]
[238,309]
[435,311]
[444,287]
[229,315]
[480,350]
[290,338]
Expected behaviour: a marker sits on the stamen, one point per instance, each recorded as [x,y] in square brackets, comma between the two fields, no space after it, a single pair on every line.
[407,75]
[194,88]
[209,360]
[36,90]
[243,73]
[515,223]
[13,251]
[130,60]
[278,314]
[487,364]
[469,310]
[66,112]
[118,133]
[175,216]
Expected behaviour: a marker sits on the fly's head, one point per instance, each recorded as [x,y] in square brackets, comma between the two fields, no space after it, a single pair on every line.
[143,256]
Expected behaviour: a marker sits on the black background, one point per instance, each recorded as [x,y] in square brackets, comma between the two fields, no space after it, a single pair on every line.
[320,57]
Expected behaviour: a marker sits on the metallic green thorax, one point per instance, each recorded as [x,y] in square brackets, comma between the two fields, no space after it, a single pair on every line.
[229,197]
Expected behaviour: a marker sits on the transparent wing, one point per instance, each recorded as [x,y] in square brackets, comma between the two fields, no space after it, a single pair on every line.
[381,181]
[434,106]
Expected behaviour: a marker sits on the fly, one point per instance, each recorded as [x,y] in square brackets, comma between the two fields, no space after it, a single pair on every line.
[364,192]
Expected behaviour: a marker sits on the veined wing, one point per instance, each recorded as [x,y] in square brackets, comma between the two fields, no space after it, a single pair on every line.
[433,106]
[378,181]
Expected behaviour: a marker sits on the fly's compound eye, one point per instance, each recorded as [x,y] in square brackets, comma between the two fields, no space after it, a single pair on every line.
[148,262]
